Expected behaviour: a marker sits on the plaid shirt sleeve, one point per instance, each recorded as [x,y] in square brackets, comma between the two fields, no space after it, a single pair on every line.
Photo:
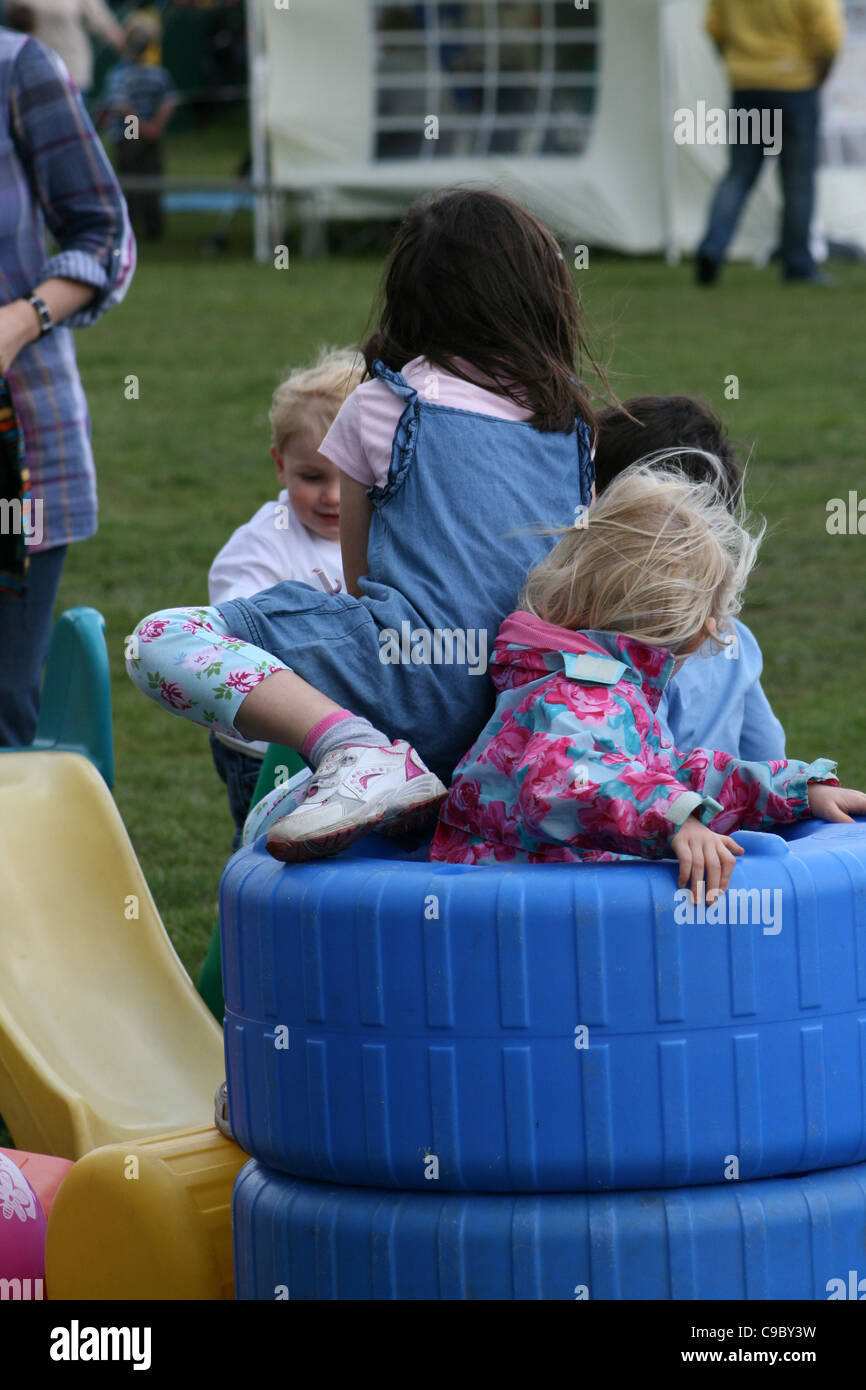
[73,182]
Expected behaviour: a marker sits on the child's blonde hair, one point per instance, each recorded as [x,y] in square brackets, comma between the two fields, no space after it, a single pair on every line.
[140,30]
[310,397]
[655,558]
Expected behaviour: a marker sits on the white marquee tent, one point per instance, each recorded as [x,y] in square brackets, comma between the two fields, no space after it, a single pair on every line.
[569,105]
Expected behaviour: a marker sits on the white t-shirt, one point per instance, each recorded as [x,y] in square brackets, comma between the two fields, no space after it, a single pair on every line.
[272,546]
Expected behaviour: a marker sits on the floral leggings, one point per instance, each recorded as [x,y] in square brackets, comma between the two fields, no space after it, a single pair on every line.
[189,663]
[187,660]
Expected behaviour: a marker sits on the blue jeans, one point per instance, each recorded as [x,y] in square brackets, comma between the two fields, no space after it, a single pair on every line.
[798,160]
[25,632]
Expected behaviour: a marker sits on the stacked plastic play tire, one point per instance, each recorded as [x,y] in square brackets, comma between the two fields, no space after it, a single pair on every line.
[532,1030]
[778,1238]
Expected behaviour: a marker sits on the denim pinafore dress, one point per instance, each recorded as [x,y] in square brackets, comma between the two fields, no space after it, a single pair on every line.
[454,533]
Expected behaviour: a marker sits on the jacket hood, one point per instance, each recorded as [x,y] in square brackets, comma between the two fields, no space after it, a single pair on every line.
[528,649]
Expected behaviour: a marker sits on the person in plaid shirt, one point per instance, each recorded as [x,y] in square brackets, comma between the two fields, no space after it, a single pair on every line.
[54,175]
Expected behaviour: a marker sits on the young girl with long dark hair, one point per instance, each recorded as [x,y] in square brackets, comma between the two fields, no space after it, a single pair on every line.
[470,440]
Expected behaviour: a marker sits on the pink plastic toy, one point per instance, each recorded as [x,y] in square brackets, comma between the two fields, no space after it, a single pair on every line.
[43,1172]
[22,1235]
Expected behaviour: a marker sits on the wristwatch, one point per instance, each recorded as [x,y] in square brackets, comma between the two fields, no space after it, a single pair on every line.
[45,319]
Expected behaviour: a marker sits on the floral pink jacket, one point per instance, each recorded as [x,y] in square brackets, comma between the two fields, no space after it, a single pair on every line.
[571,766]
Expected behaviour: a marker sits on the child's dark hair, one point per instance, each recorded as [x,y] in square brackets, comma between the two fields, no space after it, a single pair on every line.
[648,424]
[473,275]
[20,18]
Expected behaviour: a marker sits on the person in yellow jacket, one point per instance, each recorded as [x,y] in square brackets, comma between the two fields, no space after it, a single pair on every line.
[778,54]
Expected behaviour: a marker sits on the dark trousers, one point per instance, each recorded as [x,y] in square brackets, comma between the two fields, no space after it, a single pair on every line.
[798,159]
[25,632]
[240,774]
[145,208]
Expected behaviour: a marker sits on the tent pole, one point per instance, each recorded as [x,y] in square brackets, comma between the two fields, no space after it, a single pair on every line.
[668,151]
[257,64]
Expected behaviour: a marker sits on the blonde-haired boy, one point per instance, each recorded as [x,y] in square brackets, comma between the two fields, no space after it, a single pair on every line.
[297,537]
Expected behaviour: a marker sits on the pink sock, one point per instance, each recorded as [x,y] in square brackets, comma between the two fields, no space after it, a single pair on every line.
[337,730]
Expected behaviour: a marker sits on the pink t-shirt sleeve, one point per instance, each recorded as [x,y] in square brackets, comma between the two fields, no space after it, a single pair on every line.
[343,444]
[361,438]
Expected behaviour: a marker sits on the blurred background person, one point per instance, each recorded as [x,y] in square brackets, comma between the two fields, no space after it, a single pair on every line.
[66,27]
[778,54]
[145,90]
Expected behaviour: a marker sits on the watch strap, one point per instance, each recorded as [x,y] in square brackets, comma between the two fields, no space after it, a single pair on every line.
[45,319]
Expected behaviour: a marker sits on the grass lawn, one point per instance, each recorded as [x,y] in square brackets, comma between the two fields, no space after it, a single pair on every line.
[184,464]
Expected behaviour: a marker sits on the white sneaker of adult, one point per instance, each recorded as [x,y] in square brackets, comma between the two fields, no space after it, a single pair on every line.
[354,790]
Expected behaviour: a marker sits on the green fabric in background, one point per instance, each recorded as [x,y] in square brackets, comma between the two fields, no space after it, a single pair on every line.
[210,981]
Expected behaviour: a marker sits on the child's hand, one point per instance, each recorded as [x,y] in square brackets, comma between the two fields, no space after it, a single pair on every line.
[701,851]
[831,803]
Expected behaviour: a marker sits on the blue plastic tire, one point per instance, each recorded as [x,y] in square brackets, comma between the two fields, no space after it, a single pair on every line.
[782,1238]
[546,1028]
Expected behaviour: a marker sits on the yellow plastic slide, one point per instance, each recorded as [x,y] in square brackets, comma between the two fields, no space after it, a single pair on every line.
[103,1038]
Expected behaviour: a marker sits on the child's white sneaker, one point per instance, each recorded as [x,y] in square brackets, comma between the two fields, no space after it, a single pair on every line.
[356,789]
[275,805]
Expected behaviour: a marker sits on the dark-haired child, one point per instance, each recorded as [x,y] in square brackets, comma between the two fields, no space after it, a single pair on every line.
[716,699]
[469,442]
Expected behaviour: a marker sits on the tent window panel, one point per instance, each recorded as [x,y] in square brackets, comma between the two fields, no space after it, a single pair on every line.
[568,138]
[397,145]
[467,101]
[407,16]
[514,15]
[395,57]
[519,57]
[402,101]
[501,77]
[457,16]
[464,57]
[843,124]
[564,142]
[513,99]
[567,16]
[580,101]
[453,143]
[575,57]
[516,141]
